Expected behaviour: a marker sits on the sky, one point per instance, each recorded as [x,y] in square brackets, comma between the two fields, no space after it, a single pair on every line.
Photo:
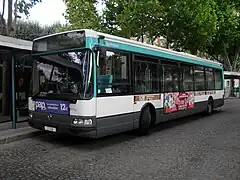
[48,12]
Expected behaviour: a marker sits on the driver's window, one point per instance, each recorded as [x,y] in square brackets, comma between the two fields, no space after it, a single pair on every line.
[113,74]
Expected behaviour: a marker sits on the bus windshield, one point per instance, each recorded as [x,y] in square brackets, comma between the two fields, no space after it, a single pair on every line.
[65,75]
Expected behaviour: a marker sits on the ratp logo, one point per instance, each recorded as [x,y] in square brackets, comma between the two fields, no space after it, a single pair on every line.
[41,105]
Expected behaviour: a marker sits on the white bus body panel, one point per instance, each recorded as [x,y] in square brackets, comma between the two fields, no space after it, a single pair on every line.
[114,105]
[83,108]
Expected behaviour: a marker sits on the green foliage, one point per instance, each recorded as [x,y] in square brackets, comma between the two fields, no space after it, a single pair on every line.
[63,27]
[192,24]
[82,14]
[30,30]
[112,11]
[23,6]
[140,18]
[15,10]
[226,42]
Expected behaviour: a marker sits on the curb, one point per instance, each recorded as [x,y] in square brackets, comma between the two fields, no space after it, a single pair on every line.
[8,137]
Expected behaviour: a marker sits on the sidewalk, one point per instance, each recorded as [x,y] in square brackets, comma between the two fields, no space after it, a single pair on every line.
[12,135]
[8,125]
[23,131]
[4,119]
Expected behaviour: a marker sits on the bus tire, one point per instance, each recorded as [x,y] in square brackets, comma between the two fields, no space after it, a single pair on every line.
[145,122]
[210,107]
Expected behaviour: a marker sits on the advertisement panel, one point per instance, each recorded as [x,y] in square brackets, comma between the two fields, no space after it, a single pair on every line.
[178,101]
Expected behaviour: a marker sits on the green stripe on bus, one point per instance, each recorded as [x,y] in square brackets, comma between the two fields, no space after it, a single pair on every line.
[170,57]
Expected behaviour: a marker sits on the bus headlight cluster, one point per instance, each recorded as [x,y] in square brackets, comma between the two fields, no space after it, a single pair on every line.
[30,115]
[82,121]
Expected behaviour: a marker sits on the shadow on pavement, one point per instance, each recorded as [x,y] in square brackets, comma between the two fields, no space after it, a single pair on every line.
[184,120]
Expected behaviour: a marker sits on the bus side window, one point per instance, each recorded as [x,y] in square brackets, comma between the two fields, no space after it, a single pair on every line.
[210,82]
[199,76]
[146,75]
[186,78]
[171,78]
[218,79]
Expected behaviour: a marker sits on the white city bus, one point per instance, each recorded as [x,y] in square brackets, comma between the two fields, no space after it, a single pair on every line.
[92,84]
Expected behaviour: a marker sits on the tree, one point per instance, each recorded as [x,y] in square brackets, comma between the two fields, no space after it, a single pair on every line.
[191,24]
[226,43]
[82,14]
[16,8]
[30,30]
[120,17]
[142,17]
[109,18]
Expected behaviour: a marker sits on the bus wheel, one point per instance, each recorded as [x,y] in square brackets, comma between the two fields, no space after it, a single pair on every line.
[210,107]
[145,121]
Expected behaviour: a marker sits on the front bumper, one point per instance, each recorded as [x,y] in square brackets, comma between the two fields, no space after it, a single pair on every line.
[63,124]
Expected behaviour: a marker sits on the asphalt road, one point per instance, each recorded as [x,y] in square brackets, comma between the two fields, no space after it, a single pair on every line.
[193,148]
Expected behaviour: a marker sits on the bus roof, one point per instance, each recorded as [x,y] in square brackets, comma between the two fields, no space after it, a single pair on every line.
[117,39]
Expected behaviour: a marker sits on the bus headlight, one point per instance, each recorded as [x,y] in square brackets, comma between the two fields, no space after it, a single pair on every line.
[77,121]
[87,122]
[80,121]
[30,115]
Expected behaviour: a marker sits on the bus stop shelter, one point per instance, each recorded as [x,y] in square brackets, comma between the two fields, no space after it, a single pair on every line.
[232,84]
[15,72]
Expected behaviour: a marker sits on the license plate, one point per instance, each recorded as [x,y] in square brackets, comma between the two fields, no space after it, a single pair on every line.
[52,129]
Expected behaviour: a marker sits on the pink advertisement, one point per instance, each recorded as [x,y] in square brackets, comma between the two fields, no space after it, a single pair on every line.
[178,101]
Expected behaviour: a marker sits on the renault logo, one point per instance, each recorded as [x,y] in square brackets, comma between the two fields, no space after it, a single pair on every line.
[49,116]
